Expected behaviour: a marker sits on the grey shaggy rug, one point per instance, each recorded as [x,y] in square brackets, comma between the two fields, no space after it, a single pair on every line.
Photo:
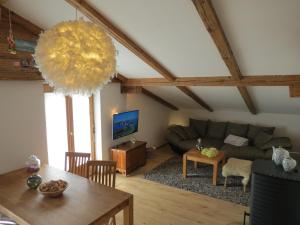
[199,180]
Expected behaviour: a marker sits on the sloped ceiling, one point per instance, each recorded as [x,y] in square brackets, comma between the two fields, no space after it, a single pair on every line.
[264,36]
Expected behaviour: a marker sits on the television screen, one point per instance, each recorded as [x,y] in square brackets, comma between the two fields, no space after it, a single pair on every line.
[125,123]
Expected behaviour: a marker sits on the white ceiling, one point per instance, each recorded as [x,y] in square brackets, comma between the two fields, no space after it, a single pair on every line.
[264,36]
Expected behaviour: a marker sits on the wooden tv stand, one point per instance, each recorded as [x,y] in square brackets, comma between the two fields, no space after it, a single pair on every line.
[129,156]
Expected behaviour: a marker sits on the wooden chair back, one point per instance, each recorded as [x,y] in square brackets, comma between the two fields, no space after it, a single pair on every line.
[76,162]
[103,172]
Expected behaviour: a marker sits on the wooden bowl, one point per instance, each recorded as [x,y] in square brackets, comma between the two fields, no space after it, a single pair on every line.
[55,193]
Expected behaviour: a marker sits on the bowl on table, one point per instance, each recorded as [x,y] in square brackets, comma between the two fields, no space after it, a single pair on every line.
[53,188]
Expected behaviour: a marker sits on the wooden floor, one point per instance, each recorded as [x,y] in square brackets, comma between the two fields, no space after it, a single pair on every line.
[157,204]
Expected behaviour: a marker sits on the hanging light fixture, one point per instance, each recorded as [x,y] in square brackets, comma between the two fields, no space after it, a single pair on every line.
[76,57]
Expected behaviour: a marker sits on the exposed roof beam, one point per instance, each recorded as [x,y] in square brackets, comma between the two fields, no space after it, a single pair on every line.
[259,80]
[20,75]
[32,28]
[247,99]
[188,92]
[158,99]
[214,27]
[141,90]
[295,91]
[125,40]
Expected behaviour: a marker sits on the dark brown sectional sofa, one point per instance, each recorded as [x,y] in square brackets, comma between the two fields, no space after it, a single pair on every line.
[212,133]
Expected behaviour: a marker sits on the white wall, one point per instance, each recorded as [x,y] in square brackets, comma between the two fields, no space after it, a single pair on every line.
[111,102]
[286,124]
[22,123]
[153,119]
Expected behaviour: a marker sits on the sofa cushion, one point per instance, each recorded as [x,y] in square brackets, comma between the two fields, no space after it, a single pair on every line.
[187,144]
[236,140]
[262,138]
[212,142]
[216,129]
[200,126]
[180,131]
[254,130]
[191,133]
[284,142]
[237,129]
[244,152]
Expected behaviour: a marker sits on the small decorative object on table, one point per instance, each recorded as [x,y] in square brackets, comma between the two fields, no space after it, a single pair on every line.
[34,181]
[279,154]
[199,145]
[289,164]
[53,188]
[210,152]
[132,140]
[33,164]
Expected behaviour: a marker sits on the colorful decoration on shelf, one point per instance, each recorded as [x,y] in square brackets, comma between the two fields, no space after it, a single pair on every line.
[25,46]
[33,164]
[10,37]
[210,152]
[34,181]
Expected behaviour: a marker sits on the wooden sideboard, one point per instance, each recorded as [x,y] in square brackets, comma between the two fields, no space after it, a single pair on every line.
[129,156]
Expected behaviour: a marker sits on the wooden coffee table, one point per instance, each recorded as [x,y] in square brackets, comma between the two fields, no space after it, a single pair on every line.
[195,156]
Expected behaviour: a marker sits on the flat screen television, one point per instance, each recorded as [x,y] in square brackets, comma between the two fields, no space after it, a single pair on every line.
[125,123]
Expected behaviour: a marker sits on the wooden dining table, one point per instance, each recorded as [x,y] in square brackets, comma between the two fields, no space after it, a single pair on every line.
[83,203]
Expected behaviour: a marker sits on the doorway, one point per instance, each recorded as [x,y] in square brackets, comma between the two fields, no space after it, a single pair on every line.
[70,126]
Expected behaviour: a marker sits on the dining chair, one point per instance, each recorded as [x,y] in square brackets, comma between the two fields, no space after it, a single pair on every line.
[76,162]
[103,172]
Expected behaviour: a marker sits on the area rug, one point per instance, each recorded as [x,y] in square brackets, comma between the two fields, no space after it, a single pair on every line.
[199,180]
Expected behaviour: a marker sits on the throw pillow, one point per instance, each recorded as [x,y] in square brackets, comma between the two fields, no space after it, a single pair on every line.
[262,138]
[200,126]
[236,140]
[237,129]
[191,133]
[216,129]
[254,130]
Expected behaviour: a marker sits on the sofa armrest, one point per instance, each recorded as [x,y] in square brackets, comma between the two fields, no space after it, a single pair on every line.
[284,142]
[173,138]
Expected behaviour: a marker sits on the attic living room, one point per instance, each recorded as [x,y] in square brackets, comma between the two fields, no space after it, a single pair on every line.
[140,112]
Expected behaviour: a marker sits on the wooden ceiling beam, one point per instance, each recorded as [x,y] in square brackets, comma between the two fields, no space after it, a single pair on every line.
[259,80]
[159,99]
[188,92]
[125,40]
[211,21]
[20,75]
[32,28]
[141,90]
[295,91]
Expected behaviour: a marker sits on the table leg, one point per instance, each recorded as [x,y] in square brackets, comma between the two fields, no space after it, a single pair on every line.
[215,173]
[184,166]
[128,212]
